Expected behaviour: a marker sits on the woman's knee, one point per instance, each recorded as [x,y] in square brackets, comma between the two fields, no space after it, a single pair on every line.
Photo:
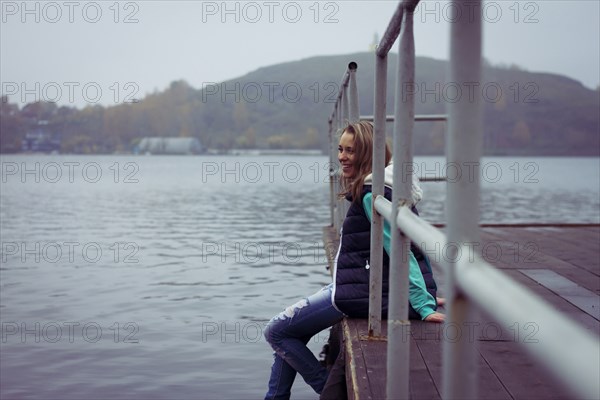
[272,331]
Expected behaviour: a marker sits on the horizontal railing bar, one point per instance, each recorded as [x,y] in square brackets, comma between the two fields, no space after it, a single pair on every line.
[508,303]
[436,179]
[419,234]
[418,118]
[420,230]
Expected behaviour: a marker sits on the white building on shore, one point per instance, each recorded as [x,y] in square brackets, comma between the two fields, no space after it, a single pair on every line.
[169,145]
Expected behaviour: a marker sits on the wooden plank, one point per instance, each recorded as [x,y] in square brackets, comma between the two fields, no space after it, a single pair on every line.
[422,385]
[593,229]
[375,352]
[482,329]
[521,377]
[539,258]
[375,355]
[356,369]
[507,249]
[490,387]
[583,252]
[576,246]
[558,303]
[582,298]
[572,235]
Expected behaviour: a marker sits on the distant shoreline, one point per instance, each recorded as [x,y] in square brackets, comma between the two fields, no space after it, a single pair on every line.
[271,152]
[282,152]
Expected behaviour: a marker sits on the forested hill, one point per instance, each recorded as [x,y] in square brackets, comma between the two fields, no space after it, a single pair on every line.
[287,106]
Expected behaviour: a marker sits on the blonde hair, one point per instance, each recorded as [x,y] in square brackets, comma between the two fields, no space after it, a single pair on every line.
[363,160]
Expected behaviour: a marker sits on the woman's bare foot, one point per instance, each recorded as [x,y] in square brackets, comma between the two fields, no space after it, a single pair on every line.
[440,301]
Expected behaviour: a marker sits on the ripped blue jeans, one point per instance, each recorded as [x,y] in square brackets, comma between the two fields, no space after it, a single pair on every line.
[289,332]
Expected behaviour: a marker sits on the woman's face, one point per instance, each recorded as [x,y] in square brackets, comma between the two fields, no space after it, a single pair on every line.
[346,154]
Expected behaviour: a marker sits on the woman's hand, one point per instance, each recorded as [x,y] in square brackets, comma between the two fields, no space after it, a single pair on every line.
[435,317]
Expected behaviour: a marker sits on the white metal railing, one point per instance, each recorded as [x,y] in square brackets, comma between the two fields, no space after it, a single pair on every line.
[471,282]
[510,303]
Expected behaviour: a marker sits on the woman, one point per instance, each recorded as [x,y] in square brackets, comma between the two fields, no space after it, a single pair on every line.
[348,295]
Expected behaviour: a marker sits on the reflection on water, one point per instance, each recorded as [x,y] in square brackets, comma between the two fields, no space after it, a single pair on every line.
[153,277]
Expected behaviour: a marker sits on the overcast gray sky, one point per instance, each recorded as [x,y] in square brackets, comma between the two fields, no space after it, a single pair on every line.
[85,52]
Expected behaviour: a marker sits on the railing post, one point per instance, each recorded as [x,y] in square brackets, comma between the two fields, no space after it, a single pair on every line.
[343,205]
[462,213]
[350,104]
[338,203]
[341,212]
[376,262]
[352,93]
[398,356]
[345,106]
[331,174]
[345,110]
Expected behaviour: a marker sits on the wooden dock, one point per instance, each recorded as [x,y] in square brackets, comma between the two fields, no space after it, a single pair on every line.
[560,263]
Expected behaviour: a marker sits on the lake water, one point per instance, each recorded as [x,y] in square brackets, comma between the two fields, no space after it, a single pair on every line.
[153,277]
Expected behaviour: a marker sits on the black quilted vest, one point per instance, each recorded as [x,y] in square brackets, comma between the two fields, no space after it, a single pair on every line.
[352,278]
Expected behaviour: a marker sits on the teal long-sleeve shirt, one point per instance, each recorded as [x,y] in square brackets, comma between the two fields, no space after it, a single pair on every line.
[418,296]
